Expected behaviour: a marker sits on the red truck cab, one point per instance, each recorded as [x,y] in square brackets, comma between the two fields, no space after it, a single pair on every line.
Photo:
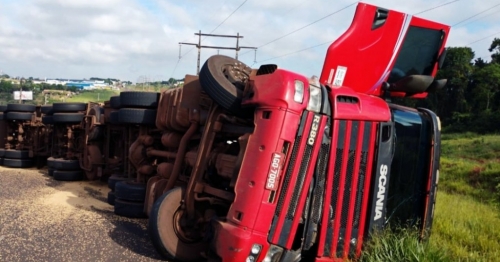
[329,152]
[288,168]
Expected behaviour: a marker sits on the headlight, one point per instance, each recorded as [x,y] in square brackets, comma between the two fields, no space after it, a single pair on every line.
[299,91]
[254,253]
[315,99]
[273,254]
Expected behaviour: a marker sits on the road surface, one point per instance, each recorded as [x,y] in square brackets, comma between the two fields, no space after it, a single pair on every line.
[46,220]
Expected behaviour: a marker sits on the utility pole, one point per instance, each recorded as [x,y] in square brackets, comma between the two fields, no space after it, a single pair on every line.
[199,46]
[21,90]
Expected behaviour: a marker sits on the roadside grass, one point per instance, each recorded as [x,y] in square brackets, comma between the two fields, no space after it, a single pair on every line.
[93,96]
[470,165]
[463,230]
[466,229]
[467,214]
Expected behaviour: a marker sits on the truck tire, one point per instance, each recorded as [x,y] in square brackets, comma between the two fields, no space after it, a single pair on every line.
[113,118]
[66,118]
[17,162]
[223,78]
[130,191]
[68,107]
[3,108]
[112,180]
[139,99]
[138,116]
[2,152]
[68,175]
[20,116]
[114,102]
[50,172]
[2,116]
[46,110]
[47,120]
[63,164]
[17,154]
[111,198]
[162,232]
[21,108]
[129,209]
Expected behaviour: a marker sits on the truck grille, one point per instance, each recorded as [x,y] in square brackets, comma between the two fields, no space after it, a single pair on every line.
[353,142]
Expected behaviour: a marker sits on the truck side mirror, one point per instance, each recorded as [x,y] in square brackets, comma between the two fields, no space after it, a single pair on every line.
[441,58]
[436,85]
[412,84]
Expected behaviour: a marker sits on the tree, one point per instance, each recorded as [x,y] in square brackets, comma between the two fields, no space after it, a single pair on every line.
[486,84]
[458,69]
[495,47]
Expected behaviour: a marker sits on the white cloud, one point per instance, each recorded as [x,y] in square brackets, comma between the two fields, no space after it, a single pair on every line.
[127,39]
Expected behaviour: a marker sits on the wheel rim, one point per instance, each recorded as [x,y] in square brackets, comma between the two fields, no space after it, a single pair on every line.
[167,228]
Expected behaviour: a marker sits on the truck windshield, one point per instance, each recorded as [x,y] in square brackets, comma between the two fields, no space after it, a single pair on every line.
[410,167]
[418,54]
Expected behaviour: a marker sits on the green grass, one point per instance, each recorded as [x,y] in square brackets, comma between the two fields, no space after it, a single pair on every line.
[470,165]
[93,96]
[466,229]
[467,218]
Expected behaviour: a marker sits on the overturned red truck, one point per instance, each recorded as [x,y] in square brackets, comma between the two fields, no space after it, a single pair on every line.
[266,165]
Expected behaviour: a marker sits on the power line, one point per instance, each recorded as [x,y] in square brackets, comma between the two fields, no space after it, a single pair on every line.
[324,17]
[482,17]
[229,16]
[181,56]
[481,39]
[298,51]
[436,7]
[311,47]
[484,11]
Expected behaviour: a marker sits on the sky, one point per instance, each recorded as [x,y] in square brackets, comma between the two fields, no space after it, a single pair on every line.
[138,40]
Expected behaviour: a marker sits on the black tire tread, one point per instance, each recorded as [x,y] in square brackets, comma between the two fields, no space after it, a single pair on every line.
[138,116]
[139,99]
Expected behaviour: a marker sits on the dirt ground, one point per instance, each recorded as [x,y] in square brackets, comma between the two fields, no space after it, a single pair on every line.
[46,220]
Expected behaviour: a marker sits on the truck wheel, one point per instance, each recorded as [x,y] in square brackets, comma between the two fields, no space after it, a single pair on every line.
[17,162]
[46,110]
[112,180]
[63,164]
[3,108]
[111,198]
[68,107]
[113,118]
[64,118]
[68,175]
[137,116]
[21,108]
[162,227]
[130,191]
[223,78]
[19,116]
[17,154]
[139,99]
[129,209]
[114,102]
[47,120]
[2,116]
[2,152]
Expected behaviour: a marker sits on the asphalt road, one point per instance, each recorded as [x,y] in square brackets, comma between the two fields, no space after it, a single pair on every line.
[46,220]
